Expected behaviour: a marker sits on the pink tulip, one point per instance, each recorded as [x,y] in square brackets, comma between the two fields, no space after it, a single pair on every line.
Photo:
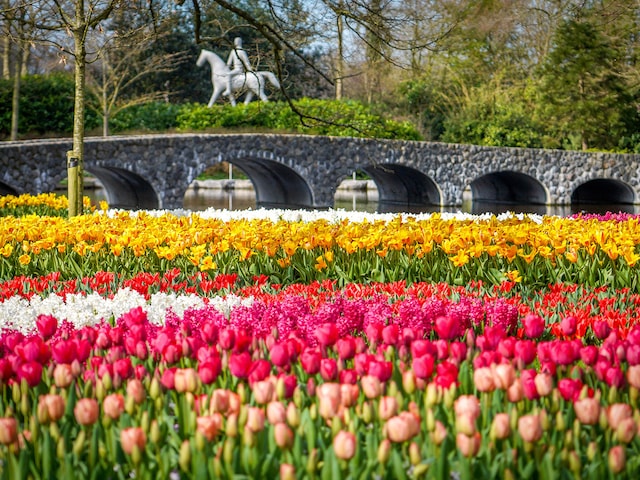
[8,430]
[255,419]
[209,426]
[51,408]
[263,391]
[617,412]
[467,405]
[469,445]
[283,435]
[62,375]
[276,413]
[483,379]
[501,426]
[387,407]
[617,459]
[113,405]
[371,386]
[530,428]
[86,411]
[344,445]
[131,438]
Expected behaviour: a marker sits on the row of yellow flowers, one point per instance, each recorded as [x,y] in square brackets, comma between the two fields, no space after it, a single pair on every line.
[169,236]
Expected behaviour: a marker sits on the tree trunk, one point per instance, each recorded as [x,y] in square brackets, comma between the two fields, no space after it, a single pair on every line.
[339,60]
[15,99]
[75,158]
[6,57]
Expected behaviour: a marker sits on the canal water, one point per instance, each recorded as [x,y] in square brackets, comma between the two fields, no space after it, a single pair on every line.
[362,200]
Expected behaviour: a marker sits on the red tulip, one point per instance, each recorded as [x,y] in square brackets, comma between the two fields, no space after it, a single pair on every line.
[240,364]
[446,327]
[46,325]
[345,348]
[328,369]
[260,369]
[423,366]
[31,372]
[279,355]
[381,369]
[209,371]
[168,378]
[327,334]
[310,361]
[227,339]
[533,325]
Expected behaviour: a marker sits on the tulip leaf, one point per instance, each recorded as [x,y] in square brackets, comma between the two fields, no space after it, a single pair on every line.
[399,470]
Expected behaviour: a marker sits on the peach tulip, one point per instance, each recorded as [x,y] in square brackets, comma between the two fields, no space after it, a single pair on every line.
[344,445]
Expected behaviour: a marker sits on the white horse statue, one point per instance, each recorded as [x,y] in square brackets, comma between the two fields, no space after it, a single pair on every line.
[252,82]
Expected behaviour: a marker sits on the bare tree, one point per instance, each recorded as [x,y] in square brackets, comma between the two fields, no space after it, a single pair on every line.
[122,62]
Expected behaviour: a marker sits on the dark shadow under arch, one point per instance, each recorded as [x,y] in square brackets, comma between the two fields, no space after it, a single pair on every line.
[603,191]
[509,188]
[7,190]
[402,188]
[275,184]
[125,189]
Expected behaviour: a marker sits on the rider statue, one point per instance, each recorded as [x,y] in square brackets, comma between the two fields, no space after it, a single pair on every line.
[238,62]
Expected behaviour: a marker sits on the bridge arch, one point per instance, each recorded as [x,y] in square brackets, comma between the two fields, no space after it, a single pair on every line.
[276,185]
[402,186]
[125,189]
[508,187]
[603,191]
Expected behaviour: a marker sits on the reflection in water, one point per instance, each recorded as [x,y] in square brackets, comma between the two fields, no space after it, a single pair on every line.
[233,199]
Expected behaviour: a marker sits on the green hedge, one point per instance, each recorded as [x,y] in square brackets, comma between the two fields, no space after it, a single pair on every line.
[46,106]
[321,117]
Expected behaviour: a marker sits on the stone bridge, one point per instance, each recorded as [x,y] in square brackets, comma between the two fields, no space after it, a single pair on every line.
[299,171]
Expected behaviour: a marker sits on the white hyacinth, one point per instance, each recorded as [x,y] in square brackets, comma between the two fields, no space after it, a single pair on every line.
[82,310]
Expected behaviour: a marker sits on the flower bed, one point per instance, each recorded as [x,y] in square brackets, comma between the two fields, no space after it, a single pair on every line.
[319,347]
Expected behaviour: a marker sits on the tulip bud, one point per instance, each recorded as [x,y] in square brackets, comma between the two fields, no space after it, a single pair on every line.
[231,428]
[439,433]
[561,423]
[431,396]
[78,444]
[384,451]
[312,462]
[184,459]
[293,415]
[336,425]
[287,471]
[61,449]
[154,432]
[430,420]
[592,451]
[107,382]
[409,381]
[155,389]
[227,450]
[367,412]
[414,453]
[574,463]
